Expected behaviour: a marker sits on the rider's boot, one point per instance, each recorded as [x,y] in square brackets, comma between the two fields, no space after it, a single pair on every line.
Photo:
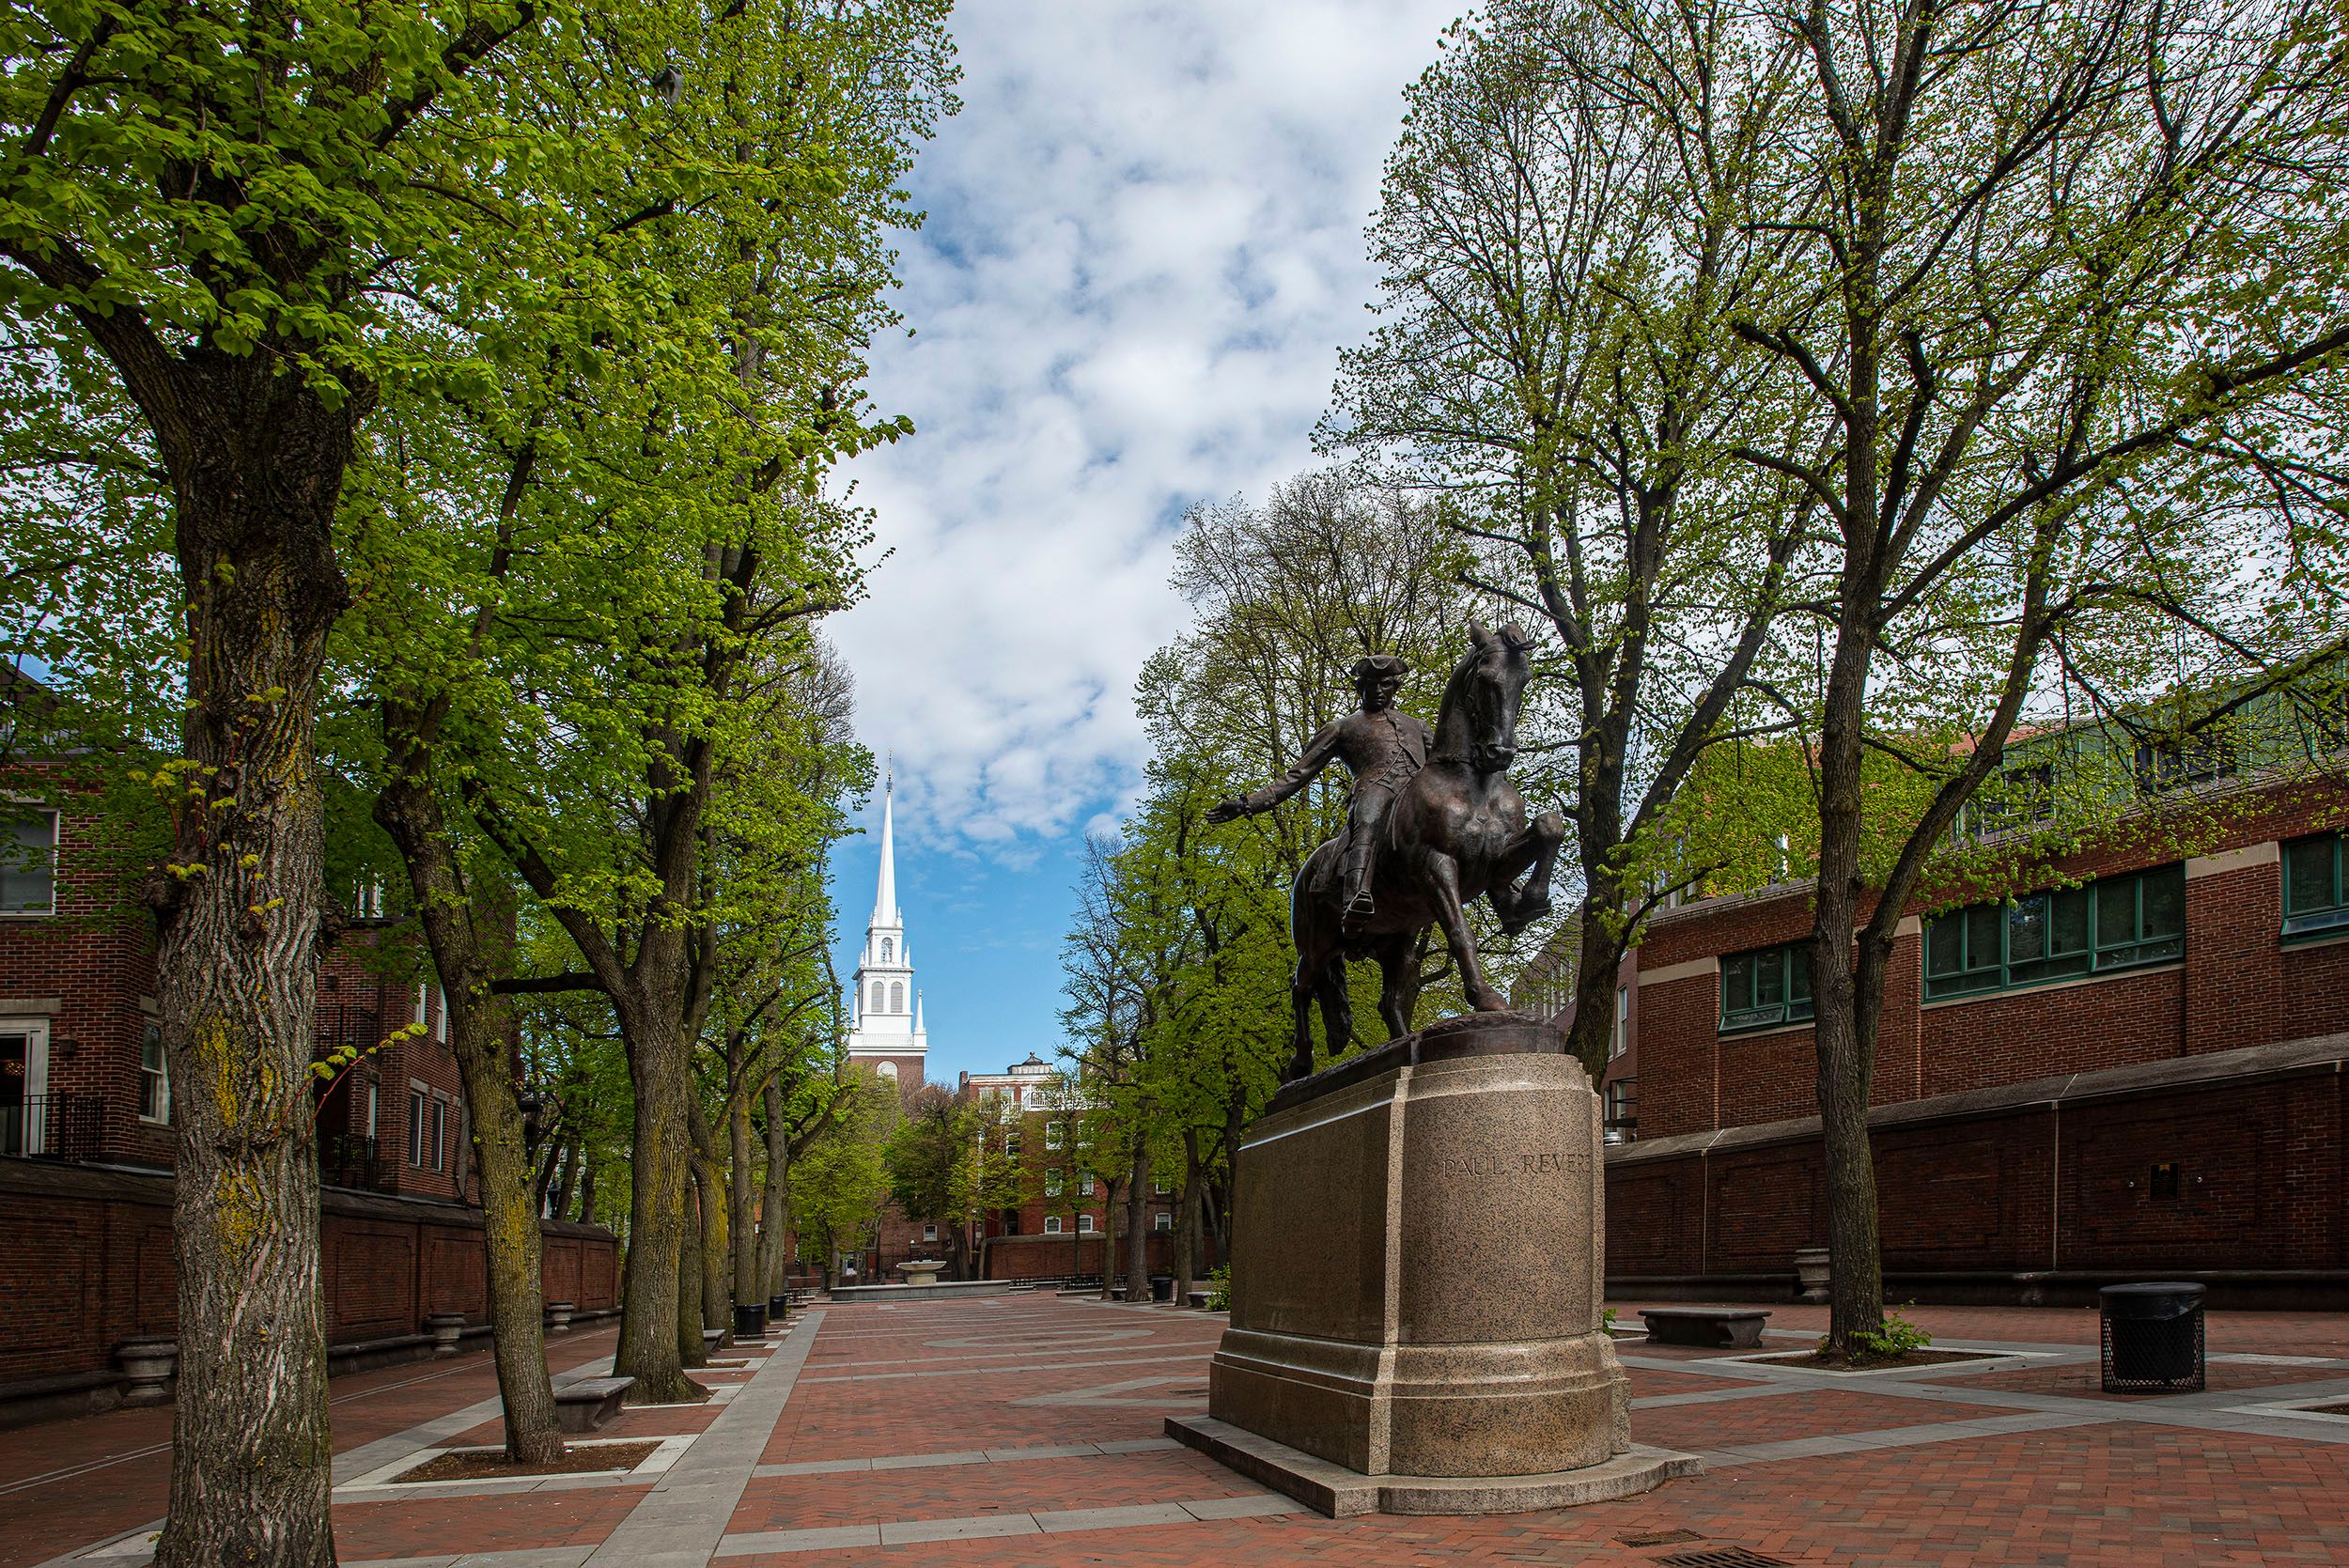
[1359,907]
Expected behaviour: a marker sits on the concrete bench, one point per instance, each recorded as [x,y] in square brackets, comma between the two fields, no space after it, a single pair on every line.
[1705,1325]
[587,1403]
[1198,1298]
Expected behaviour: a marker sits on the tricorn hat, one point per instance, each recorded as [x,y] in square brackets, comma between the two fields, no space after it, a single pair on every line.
[1377,666]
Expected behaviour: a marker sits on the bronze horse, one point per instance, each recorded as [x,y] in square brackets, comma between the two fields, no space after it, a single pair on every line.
[1456,831]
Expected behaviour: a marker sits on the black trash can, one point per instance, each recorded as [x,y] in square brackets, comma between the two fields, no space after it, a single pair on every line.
[750,1320]
[2153,1337]
[776,1307]
[1161,1287]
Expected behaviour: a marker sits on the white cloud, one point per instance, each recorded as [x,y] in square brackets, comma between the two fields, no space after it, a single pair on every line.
[1145,249]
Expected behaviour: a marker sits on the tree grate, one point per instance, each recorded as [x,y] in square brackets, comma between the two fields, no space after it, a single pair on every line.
[1657,1538]
[1723,1557]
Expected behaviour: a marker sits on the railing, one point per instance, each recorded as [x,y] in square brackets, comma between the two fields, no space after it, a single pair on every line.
[351,1161]
[52,1126]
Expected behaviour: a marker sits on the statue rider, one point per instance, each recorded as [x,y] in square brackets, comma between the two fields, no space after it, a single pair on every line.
[1382,746]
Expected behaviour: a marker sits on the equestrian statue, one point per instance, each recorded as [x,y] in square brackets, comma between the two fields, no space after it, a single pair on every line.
[1433,824]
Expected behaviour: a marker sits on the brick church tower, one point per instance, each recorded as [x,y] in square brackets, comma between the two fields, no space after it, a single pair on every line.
[886,1011]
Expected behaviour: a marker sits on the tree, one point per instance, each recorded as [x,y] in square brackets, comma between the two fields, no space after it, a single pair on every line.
[630,539]
[236,231]
[2064,319]
[1566,228]
[839,1184]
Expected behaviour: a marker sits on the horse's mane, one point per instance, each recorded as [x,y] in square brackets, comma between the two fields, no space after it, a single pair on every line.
[1451,744]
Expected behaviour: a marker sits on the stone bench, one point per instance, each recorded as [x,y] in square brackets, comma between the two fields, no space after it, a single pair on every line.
[1711,1326]
[588,1402]
[1199,1298]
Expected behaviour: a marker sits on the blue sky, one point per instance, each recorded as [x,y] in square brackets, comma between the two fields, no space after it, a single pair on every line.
[1143,252]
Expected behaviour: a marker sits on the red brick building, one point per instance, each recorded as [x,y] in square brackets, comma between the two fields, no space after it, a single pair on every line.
[2138,1065]
[86,1144]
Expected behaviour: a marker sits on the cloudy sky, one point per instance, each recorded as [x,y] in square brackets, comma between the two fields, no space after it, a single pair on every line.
[1143,250]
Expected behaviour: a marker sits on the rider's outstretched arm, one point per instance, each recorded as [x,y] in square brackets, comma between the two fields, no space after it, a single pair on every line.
[1319,752]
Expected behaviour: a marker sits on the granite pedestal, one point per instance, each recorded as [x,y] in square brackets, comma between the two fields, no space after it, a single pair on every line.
[1416,1286]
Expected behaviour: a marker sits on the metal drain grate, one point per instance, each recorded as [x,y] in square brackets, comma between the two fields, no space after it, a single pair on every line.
[1723,1557]
[1657,1538]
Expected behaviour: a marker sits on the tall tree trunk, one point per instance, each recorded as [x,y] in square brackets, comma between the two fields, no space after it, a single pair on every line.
[1109,1240]
[741,1199]
[482,1027]
[1187,1220]
[240,909]
[689,1280]
[716,1254]
[774,1198]
[650,1341]
[1137,1232]
[587,1193]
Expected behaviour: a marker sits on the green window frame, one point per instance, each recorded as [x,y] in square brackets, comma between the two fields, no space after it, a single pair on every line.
[2316,886]
[1765,987]
[2113,923]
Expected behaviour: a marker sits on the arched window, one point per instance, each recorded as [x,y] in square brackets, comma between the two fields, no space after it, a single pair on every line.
[896,995]
[877,997]
[888,1069]
[887,948]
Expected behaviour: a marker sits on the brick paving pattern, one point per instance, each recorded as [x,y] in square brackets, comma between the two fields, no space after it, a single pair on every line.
[1029,1429]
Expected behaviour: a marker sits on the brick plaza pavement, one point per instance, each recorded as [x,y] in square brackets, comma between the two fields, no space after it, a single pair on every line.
[1027,1429]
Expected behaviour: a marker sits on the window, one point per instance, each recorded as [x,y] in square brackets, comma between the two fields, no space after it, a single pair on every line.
[1011,1145]
[1159,1186]
[929,1233]
[1765,987]
[418,1113]
[2316,885]
[154,1078]
[2192,759]
[1054,1132]
[1084,1185]
[440,1133]
[1165,1221]
[367,1131]
[877,994]
[1053,1182]
[886,950]
[1622,1110]
[2059,934]
[896,995]
[1052,1224]
[29,862]
[1084,1223]
[440,1025]
[1623,1022]
[2323,721]
[887,1069]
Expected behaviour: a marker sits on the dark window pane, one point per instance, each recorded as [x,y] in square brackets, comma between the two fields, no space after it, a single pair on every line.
[2026,929]
[2309,875]
[1798,974]
[1769,980]
[1982,935]
[2116,912]
[28,860]
[2067,920]
[1945,945]
[1736,984]
[2164,903]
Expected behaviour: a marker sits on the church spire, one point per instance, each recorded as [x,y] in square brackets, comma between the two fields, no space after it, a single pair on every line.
[885,900]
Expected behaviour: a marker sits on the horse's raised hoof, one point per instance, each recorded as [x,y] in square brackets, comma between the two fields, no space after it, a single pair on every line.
[1300,1065]
[1488,1000]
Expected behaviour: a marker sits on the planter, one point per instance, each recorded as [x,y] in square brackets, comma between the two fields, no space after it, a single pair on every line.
[559,1316]
[445,1328]
[1810,1269]
[147,1368]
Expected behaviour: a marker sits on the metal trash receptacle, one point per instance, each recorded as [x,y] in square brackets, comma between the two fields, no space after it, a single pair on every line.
[750,1320]
[1161,1287]
[2152,1336]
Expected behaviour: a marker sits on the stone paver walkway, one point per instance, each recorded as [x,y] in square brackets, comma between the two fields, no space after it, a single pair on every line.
[1028,1429]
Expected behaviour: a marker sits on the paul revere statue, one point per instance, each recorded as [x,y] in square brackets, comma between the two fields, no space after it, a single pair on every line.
[1382,747]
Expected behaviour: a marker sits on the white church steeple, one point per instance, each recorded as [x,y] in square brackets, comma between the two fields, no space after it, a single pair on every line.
[886,1028]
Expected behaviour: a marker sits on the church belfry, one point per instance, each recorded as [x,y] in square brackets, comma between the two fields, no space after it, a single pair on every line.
[886,1011]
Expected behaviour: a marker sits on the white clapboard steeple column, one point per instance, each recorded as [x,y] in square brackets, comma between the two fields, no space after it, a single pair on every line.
[885,1010]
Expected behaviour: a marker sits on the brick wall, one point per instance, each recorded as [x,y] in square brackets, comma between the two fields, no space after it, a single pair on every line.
[2238,985]
[1986,1202]
[90,1264]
